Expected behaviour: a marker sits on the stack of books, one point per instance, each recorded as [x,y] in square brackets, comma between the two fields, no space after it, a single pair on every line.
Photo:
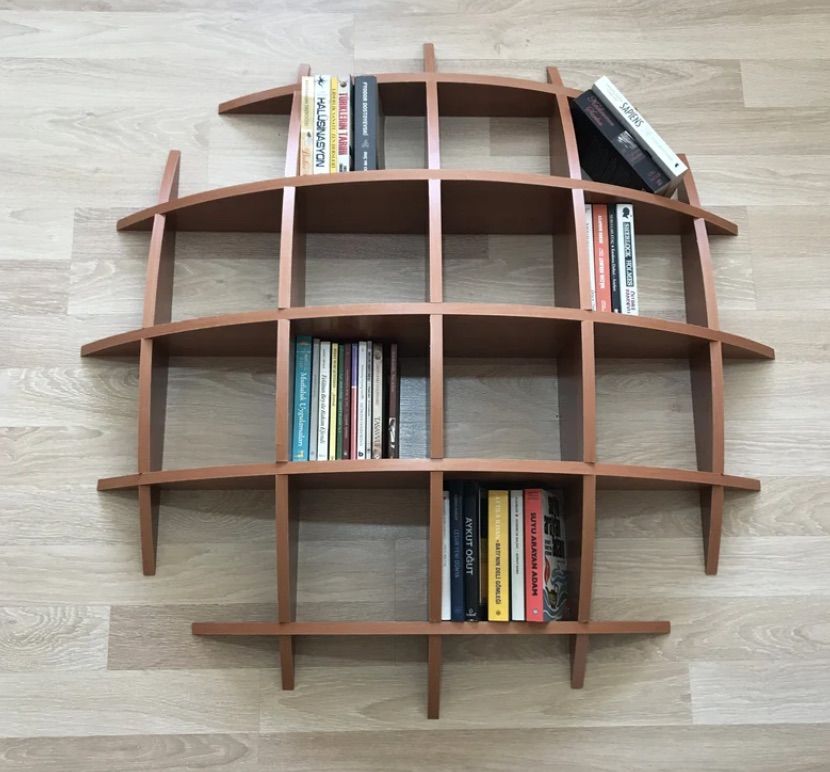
[346,400]
[341,124]
[504,555]
[618,146]
[612,257]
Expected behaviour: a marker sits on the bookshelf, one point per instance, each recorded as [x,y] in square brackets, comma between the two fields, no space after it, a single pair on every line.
[434,202]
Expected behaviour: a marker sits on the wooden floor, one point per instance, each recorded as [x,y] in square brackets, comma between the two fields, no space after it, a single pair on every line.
[98,670]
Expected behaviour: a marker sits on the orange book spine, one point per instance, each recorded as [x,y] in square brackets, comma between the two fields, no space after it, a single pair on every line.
[601,255]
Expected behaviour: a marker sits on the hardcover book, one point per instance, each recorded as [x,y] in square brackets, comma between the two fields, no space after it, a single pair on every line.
[601,257]
[315,399]
[556,567]
[472,598]
[498,528]
[302,397]
[613,258]
[456,553]
[628,259]
[534,557]
[517,555]
[368,124]
[322,117]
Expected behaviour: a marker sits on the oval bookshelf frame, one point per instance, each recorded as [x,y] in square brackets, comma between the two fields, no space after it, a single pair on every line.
[434,201]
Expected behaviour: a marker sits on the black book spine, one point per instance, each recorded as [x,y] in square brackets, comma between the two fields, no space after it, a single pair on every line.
[472,587]
[593,117]
[482,542]
[366,123]
[614,259]
[456,553]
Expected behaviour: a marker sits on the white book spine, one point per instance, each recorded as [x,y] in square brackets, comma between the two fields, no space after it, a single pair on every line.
[323,406]
[315,399]
[626,249]
[377,401]
[361,399]
[307,125]
[446,614]
[322,117]
[344,122]
[648,138]
[517,556]
[589,233]
[368,417]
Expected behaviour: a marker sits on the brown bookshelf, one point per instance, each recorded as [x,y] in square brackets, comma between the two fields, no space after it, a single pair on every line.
[435,202]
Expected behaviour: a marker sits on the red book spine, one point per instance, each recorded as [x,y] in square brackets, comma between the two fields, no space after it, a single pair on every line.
[534,557]
[601,253]
[347,403]
[353,404]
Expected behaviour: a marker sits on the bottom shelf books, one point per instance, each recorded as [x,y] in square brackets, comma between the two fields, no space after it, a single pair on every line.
[503,554]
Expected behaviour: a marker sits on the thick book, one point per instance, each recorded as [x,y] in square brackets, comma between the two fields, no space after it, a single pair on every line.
[333,109]
[555,573]
[517,555]
[322,117]
[307,125]
[335,364]
[589,236]
[315,399]
[341,372]
[628,259]
[601,257]
[609,152]
[346,399]
[394,407]
[498,544]
[353,402]
[377,400]
[456,553]
[472,595]
[302,397]
[344,124]
[446,612]
[534,556]
[324,391]
[613,259]
[369,364]
[368,124]
[361,400]
[645,135]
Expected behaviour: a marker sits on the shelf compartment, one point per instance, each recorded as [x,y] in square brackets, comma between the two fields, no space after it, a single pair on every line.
[394,201]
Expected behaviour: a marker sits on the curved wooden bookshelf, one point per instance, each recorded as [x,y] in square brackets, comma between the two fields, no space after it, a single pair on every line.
[433,201]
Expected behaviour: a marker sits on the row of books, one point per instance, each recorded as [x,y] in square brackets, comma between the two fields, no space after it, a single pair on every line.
[341,126]
[504,554]
[613,258]
[617,145]
[345,400]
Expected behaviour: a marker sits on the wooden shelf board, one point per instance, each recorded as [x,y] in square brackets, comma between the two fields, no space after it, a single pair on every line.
[431,628]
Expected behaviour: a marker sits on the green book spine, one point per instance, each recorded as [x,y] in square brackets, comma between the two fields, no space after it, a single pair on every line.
[341,371]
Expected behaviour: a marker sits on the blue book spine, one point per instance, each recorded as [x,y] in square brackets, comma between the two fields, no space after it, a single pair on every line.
[456,554]
[302,397]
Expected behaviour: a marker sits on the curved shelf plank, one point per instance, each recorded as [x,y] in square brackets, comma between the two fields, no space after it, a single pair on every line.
[414,473]
[395,201]
[469,329]
[431,628]
[272,101]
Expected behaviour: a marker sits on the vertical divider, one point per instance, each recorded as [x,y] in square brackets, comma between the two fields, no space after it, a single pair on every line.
[286,572]
[153,362]
[434,658]
[435,268]
[436,386]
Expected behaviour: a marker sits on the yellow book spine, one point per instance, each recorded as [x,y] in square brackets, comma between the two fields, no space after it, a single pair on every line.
[333,405]
[498,556]
[333,125]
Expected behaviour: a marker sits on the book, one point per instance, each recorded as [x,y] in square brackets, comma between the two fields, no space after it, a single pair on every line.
[361,400]
[456,554]
[346,398]
[368,124]
[341,371]
[344,124]
[498,559]
[322,117]
[613,259]
[445,560]
[609,152]
[333,111]
[307,125]
[589,235]
[645,135]
[377,401]
[483,572]
[470,513]
[315,399]
[555,595]
[628,259]
[369,403]
[353,403]
[333,403]
[324,392]
[601,257]
[393,438]
[517,555]
[302,397]
[534,557]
